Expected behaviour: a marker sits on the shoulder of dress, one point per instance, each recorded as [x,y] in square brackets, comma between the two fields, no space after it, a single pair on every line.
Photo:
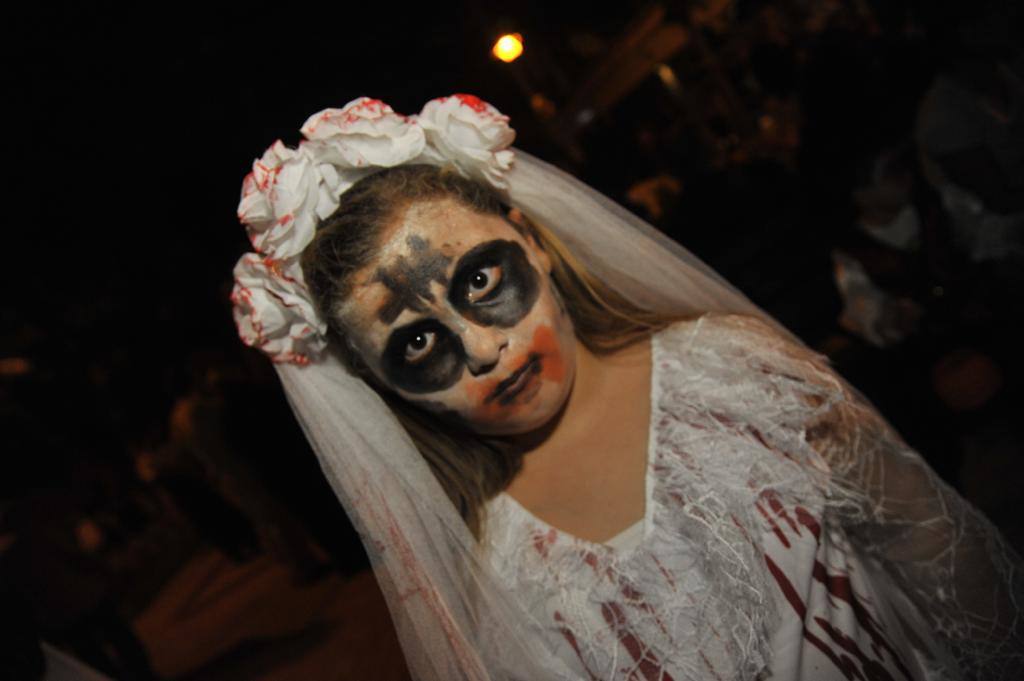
[741,325]
[740,345]
[716,329]
[758,335]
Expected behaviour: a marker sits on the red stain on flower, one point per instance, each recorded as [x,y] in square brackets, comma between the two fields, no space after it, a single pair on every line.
[353,114]
[248,185]
[266,177]
[473,102]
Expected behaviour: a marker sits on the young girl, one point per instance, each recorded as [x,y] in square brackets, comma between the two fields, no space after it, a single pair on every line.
[586,467]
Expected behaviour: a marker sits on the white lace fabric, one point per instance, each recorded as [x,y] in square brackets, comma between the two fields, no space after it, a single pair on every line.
[789,533]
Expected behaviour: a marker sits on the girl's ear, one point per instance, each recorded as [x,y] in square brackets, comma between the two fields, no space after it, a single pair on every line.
[515,215]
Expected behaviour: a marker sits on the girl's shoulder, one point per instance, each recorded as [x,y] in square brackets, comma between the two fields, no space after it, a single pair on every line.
[729,325]
[720,331]
[732,332]
[738,348]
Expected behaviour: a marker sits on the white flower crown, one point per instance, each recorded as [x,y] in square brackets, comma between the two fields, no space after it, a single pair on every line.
[290,190]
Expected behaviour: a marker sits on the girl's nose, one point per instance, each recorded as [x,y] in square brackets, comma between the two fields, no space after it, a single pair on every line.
[483,346]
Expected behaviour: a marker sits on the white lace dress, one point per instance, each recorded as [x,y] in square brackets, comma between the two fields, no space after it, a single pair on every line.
[788,534]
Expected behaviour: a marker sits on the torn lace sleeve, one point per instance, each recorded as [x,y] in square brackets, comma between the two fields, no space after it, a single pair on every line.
[948,559]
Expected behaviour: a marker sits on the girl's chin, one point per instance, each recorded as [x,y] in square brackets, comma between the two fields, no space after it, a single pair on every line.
[543,413]
[511,425]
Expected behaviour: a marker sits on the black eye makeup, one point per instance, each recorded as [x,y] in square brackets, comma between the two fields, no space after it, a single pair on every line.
[494,284]
[423,357]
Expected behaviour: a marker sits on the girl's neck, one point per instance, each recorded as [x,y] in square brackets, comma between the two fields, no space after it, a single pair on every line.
[594,385]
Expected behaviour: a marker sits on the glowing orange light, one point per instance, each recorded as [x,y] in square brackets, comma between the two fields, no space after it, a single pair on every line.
[508,47]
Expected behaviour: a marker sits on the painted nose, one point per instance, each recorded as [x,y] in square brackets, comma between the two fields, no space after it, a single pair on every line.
[483,346]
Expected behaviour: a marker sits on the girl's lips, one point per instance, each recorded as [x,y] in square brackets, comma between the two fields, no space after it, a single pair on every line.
[511,386]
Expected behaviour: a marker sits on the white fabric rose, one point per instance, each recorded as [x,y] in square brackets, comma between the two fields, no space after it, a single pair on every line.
[471,133]
[280,201]
[364,133]
[273,310]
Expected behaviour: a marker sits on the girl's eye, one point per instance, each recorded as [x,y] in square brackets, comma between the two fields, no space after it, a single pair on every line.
[419,346]
[482,282]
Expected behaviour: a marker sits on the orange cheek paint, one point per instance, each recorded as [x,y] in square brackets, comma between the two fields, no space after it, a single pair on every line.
[545,344]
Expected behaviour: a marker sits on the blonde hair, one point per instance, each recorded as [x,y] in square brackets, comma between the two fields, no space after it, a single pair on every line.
[471,468]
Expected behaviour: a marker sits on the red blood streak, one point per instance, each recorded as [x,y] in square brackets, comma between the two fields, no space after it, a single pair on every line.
[575,646]
[844,664]
[760,438]
[666,573]
[839,587]
[468,658]
[787,588]
[875,671]
[808,521]
[773,500]
[541,542]
[711,668]
[636,597]
[649,665]
[739,526]
[771,523]
[723,419]
[767,445]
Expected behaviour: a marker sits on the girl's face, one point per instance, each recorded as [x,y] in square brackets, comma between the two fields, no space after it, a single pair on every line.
[458,315]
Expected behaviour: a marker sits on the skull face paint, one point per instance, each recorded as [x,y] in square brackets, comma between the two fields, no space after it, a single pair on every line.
[493,285]
[458,315]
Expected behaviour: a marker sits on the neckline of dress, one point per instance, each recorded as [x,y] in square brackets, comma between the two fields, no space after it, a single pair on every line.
[647,519]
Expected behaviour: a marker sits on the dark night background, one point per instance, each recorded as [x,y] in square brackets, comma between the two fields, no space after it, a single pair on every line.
[155,489]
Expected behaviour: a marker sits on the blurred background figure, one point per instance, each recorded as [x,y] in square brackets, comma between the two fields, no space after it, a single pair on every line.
[197,439]
[66,592]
